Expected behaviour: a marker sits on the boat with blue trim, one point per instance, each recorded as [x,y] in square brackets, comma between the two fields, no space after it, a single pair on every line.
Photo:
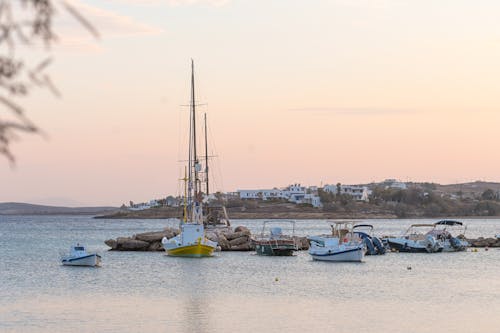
[417,240]
[444,231]
[341,245]
[78,256]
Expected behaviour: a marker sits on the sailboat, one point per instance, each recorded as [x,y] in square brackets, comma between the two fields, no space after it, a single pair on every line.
[191,241]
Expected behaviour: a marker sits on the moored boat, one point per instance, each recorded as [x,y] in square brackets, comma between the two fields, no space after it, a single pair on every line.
[274,242]
[341,245]
[443,233]
[415,240]
[78,256]
[191,241]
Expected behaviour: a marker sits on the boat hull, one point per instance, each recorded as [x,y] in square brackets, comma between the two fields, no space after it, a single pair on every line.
[350,255]
[455,245]
[411,247]
[192,251]
[275,250]
[89,260]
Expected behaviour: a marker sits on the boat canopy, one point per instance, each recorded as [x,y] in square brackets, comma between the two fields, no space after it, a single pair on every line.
[363,226]
[448,222]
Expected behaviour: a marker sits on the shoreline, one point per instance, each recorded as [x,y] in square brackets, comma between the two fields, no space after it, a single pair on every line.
[284,215]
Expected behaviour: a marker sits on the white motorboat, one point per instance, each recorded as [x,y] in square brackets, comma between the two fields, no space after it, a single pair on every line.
[443,233]
[340,245]
[78,256]
[415,240]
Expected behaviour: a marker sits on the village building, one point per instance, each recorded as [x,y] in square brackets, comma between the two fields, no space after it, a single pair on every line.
[357,192]
[294,193]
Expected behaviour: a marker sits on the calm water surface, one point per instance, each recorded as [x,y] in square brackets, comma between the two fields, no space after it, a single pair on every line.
[237,292]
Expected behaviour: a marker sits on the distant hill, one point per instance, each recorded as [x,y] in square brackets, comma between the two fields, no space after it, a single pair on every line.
[472,190]
[18,208]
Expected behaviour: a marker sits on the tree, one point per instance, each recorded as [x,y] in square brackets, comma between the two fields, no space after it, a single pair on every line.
[339,189]
[488,194]
[28,23]
[325,197]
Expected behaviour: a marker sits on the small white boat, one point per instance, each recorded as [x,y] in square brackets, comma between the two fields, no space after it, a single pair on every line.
[78,256]
[341,245]
[415,240]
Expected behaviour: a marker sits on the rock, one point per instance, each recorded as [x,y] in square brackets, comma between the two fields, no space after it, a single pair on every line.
[111,243]
[223,243]
[234,235]
[214,237]
[131,245]
[241,228]
[242,247]
[491,241]
[302,242]
[156,236]
[480,242]
[156,246]
[239,241]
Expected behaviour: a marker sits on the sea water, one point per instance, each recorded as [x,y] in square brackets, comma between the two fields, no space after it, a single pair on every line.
[238,291]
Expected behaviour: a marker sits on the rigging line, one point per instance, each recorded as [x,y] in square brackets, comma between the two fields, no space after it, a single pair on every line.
[218,178]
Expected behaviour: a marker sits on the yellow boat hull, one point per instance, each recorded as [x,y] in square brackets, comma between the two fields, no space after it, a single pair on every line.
[194,251]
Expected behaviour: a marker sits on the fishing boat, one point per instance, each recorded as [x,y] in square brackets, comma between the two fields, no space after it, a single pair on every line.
[191,241]
[416,239]
[341,245]
[78,256]
[272,241]
[444,231]
[373,244]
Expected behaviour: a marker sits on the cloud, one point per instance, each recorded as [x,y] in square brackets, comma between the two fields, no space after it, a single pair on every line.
[109,25]
[174,2]
[352,111]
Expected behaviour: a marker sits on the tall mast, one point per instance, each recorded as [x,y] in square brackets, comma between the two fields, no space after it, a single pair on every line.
[193,124]
[206,155]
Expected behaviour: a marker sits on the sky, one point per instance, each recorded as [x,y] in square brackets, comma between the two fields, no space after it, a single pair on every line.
[311,92]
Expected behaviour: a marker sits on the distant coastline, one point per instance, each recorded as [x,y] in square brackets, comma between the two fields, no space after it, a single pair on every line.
[280,211]
[19,208]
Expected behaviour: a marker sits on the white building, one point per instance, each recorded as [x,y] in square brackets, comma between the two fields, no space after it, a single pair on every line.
[294,193]
[393,183]
[313,200]
[260,194]
[145,205]
[358,192]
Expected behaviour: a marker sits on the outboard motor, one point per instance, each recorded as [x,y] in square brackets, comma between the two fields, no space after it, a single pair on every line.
[370,249]
[455,243]
[432,244]
[378,245]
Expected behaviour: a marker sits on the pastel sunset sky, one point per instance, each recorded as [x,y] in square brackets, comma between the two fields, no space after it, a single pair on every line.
[315,91]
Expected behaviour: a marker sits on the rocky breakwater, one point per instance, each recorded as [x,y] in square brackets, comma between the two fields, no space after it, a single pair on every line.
[238,239]
[148,241]
[484,242]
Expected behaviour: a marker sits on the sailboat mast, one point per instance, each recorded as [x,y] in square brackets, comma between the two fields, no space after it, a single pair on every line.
[193,126]
[206,155]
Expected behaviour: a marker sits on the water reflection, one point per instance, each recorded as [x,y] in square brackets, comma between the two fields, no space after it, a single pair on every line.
[191,293]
